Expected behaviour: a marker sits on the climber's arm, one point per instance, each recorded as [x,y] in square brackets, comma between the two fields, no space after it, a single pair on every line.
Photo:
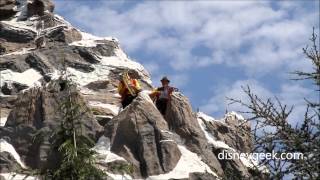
[154,94]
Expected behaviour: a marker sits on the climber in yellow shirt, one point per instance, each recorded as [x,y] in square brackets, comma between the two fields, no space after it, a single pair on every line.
[128,88]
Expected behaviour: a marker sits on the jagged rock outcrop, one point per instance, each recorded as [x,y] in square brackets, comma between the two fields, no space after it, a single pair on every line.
[8,163]
[7,103]
[12,88]
[201,176]
[14,63]
[7,9]
[183,121]
[62,34]
[37,111]
[12,34]
[139,134]
[233,168]
[233,131]
[38,7]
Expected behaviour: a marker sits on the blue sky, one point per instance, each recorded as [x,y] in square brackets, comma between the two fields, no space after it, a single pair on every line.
[209,49]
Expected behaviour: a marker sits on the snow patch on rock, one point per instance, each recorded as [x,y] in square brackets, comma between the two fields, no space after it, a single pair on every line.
[102,147]
[111,107]
[247,161]
[119,176]
[23,51]
[62,20]
[210,138]
[86,91]
[105,155]
[28,77]
[16,176]
[100,73]
[89,40]
[103,68]
[104,116]
[20,25]
[3,121]
[6,147]
[120,60]
[237,115]
[205,117]
[189,162]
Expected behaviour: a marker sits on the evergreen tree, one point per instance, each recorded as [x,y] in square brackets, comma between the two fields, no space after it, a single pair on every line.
[77,157]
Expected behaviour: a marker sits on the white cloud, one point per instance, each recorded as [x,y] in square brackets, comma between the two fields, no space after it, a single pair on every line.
[293,94]
[225,27]
[151,67]
[219,102]
[179,80]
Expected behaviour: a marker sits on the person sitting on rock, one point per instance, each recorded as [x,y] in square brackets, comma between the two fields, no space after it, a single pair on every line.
[128,88]
[162,95]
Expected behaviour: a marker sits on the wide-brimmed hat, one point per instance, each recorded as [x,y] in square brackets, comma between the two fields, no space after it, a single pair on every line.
[165,79]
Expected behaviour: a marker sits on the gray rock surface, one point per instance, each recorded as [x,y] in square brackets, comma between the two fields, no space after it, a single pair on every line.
[137,136]
[12,34]
[8,163]
[183,121]
[38,7]
[7,102]
[12,88]
[15,63]
[37,110]
[233,168]
[234,132]
[201,176]
[7,9]
[62,34]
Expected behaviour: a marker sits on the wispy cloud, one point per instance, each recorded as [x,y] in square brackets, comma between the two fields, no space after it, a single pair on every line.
[250,34]
[290,93]
[219,101]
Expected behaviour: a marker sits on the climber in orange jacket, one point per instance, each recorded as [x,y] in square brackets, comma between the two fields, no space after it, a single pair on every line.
[162,95]
[128,88]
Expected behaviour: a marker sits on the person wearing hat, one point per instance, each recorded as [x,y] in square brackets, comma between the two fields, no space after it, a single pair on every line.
[162,95]
[128,90]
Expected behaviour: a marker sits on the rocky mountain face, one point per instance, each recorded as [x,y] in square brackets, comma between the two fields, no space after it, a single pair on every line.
[180,145]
